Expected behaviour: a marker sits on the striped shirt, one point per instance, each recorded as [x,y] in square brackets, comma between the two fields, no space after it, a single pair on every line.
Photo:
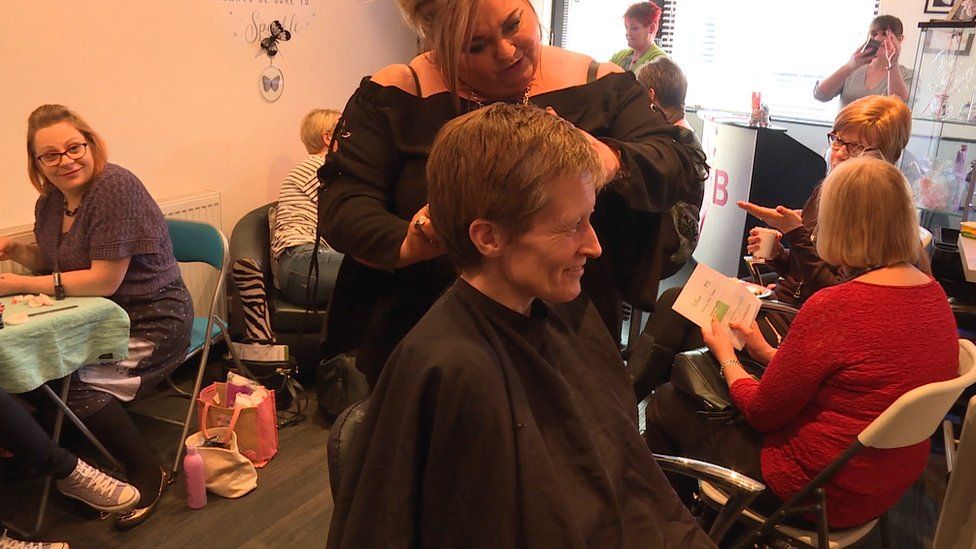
[297,213]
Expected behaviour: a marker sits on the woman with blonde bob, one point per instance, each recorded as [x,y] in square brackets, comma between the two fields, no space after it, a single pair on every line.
[505,418]
[875,126]
[853,349]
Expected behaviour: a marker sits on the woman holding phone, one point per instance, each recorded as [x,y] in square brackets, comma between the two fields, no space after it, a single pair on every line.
[873,69]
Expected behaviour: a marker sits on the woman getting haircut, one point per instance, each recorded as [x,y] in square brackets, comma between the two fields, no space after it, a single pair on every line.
[505,418]
[853,349]
[373,207]
[99,233]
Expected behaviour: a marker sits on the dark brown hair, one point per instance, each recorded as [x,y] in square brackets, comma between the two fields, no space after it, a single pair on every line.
[888,22]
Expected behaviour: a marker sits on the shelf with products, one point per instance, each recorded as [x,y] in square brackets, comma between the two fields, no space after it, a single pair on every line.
[958,122]
[940,155]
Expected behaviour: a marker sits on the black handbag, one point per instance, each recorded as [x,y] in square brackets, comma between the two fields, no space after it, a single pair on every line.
[697,374]
[290,397]
[340,385]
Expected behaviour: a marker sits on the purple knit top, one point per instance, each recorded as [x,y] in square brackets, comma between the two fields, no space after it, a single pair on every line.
[116,219]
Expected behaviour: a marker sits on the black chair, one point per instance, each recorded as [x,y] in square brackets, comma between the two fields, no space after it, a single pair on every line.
[291,324]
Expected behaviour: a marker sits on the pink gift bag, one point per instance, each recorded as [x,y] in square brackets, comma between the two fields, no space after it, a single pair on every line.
[256,428]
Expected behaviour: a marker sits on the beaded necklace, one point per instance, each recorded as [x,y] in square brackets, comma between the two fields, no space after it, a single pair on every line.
[480,101]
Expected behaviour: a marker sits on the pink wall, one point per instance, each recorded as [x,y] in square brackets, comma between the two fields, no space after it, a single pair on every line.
[173,86]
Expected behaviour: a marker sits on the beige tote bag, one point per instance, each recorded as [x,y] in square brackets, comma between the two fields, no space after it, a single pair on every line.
[227,472]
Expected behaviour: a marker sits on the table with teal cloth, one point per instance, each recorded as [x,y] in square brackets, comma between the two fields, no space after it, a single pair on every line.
[53,345]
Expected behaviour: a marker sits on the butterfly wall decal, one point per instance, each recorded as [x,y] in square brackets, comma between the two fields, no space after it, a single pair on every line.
[270,84]
[278,32]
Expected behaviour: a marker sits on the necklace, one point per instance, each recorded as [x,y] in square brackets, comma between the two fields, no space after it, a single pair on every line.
[473,95]
[69,212]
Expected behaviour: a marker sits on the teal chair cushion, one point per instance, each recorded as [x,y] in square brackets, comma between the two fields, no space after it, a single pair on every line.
[197,334]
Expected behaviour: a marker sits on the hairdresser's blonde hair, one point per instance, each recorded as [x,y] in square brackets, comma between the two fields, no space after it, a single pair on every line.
[49,115]
[444,26]
[882,121]
[500,163]
[867,216]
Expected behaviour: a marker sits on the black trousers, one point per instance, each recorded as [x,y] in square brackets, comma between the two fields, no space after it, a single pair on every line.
[21,436]
[674,428]
[26,440]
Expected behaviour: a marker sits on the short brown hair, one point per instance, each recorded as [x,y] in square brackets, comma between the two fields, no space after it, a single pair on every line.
[316,123]
[886,23]
[444,26]
[883,121]
[646,13]
[49,115]
[498,163]
[867,216]
[665,77]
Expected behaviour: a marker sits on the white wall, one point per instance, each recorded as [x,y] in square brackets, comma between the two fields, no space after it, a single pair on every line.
[172,86]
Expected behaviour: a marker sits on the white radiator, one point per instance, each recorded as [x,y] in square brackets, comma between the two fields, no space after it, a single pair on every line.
[200,279]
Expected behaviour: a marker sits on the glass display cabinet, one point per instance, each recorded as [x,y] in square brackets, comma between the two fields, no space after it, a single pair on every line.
[939,157]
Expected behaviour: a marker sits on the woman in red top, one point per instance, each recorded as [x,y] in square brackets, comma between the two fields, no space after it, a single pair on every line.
[853,349]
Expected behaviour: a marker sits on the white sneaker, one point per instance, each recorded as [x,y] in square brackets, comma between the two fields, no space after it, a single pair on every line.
[10,543]
[101,491]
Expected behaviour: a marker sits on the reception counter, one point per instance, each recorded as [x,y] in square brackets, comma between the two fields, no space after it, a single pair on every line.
[761,165]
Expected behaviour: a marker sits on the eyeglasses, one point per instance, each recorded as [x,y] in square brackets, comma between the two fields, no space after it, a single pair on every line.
[74,152]
[853,149]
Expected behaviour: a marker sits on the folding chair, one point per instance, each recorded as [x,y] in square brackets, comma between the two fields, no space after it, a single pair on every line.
[911,419]
[197,242]
[957,519]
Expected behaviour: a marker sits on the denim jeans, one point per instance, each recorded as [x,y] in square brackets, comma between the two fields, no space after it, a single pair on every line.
[24,438]
[293,278]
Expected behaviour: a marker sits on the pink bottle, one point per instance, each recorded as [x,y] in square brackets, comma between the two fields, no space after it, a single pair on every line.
[196,485]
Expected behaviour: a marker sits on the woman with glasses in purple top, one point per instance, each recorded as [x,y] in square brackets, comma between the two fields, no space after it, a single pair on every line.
[99,233]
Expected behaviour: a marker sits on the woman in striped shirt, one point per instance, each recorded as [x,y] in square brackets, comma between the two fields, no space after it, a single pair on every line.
[293,241]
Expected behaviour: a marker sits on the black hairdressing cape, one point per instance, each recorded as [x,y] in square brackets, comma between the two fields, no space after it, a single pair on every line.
[488,428]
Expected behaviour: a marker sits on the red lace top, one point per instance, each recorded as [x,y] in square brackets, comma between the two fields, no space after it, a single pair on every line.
[852,351]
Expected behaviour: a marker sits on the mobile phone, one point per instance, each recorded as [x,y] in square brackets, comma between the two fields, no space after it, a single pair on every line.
[871,47]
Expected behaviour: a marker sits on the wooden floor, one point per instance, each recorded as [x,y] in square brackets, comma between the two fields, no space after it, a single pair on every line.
[292,505]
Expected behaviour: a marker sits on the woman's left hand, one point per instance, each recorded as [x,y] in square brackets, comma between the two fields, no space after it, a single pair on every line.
[892,48]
